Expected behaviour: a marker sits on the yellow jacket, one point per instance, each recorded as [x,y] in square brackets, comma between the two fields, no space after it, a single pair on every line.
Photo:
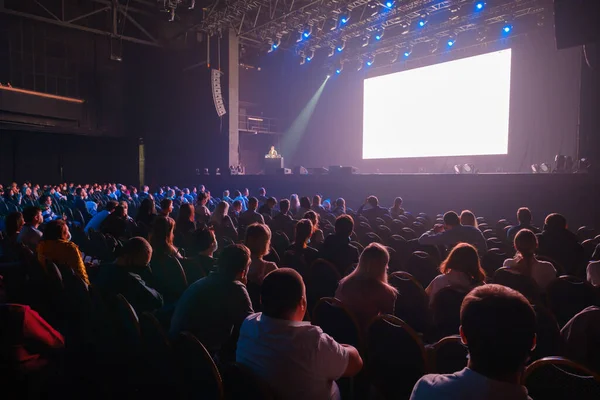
[62,252]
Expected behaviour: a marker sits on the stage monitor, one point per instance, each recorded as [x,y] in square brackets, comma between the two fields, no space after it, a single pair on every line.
[457,108]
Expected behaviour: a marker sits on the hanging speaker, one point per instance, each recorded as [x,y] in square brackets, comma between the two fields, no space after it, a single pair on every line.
[217,93]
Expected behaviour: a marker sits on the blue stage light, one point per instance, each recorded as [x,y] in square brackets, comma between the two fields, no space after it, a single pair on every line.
[275,46]
[407,54]
[369,63]
[389,4]
[344,19]
[338,71]
[378,37]
[480,5]
[340,48]
[422,23]
[306,34]
[451,42]
[507,28]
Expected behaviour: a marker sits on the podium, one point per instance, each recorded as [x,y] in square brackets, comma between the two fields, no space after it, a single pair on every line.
[272,164]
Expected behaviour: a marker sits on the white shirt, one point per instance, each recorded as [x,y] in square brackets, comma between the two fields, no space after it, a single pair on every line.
[593,273]
[296,359]
[455,279]
[542,272]
[466,385]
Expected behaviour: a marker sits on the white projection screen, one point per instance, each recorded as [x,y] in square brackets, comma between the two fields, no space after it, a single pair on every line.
[457,108]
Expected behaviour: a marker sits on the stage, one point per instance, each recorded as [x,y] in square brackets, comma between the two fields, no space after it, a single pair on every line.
[493,196]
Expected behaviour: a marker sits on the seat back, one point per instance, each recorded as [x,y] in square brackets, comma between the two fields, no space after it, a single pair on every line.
[199,374]
[568,295]
[160,364]
[521,283]
[412,303]
[445,308]
[493,260]
[560,379]
[127,323]
[448,355]
[337,321]
[421,266]
[396,357]
[169,277]
[323,280]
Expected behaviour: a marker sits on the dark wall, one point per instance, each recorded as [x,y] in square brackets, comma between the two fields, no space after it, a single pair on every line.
[544,108]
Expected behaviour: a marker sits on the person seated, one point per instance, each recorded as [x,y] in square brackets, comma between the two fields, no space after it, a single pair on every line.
[80,198]
[366,291]
[294,204]
[28,343]
[202,211]
[166,207]
[56,246]
[189,198]
[562,245]
[262,196]
[92,206]
[144,193]
[593,272]
[300,255]
[185,225]
[166,274]
[96,222]
[452,232]
[303,209]
[340,207]
[581,336]
[237,196]
[235,212]
[203,247]
[461,271]
[498,326]
[317,207]
[124,276]
[268,207]
[524,218]
[467,218]
[396,210]
[337,248]
[374,211]
[213,308]
[222,222]
[11,250]
[525,262]
[250,216]
[46,206]
[295,359]
[29,234]
[146,213]
[282,220]
[226,197]
[115,224]
[318,237]
[258,240]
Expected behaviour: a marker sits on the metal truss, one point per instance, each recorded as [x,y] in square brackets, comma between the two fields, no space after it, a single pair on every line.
[65,14]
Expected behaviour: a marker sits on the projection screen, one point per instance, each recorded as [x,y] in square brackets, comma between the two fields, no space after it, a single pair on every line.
[457,108]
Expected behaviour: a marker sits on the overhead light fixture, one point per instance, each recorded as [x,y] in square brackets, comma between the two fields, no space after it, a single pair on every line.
[370,60]
[335,23]
[405,28]
[451,42]
[344,18]
[389,3]
[379,34]
[307,32]
[422,20]
[312,54]
[342,46]
[340,68]
[331,50]
[479,5]
[407,52]
[507,28]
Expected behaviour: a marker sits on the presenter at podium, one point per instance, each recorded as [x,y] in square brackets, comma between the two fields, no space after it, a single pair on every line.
[272,152]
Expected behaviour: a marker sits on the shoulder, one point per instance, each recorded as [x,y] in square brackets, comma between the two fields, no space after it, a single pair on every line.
[509,262]
[546,265]
[433,385]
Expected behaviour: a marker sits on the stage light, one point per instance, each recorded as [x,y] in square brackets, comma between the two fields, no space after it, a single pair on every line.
[389,4]
[379,34]
[312,55]
[422,23]
[307,32]
[344,18]
[370,61]
[451,42]
[507,28]
[342,46]
[365,41]
[465,169]
[331,51]
[340,69]
[584,165]
[407,52]
[335,23]
[542,168]
[479,5]
[302,59]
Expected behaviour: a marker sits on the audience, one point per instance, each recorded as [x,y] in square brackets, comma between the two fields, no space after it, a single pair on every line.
[204,245]
[340,207]
[366,291]
[461,271]
[222,222]
[296,359]
[524,218]
[467,218]
[185,225]
[525,262]
[498,326]
[337,248]
[97,219]
[115,224]
[294,204]
[300,255]
[124,276]
[258,240]
[268,207]
[166,207]
[46,205]
[396,210]
[213,308]
[374,210]
[250,216]
[282,220]
[317,207]
[162,236]
[304,207]
[562,245]
[452,232]
[29,235]
[317,237]
[56,246]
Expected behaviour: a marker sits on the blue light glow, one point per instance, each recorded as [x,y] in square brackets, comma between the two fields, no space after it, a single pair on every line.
[308,59]
[369,63]
[306,34]
[338,71]
[507,28]
[406,54]
[389,4]
[378,37]
[275,46]
[479,5]
[422,23]
[451,42]
[340,49]
[344,20]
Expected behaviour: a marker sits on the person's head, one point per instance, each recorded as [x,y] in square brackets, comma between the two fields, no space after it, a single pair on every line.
[161,236]
[111,206]
[202,198]
[80,192]
[451,220]
[272,148]
[33,216]
[147,207]
[398,202]
[304,231]
[341,203]
[234,261]
[271,202]
[236,194]
[294,202]
[135,253]
[524,216]
[205,241]
[344,225]
[284,206]
[498,326]
[313,217]
[56,230]
[222,209]
[13,223]
[305,202]
[246,192]
[373,201]
[145,189]
[119,212]
[464,258]
[237,206]
[373,262]
[166,206]
[252,203]
[468,218]
[46,200]
[225,193]
[171,193]
[316,201]
[258,240]
[124,205]
[262,191]
[526,244]
[186,213]
[202,188]
[555,222]
[283,295]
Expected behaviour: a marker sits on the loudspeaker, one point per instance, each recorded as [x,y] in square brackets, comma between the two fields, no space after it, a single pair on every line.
[300,170]
[576,22]
[283,171]
[339,170]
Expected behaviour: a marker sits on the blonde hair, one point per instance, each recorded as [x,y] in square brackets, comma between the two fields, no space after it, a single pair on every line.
[258,240]
[468,218]
[373,263]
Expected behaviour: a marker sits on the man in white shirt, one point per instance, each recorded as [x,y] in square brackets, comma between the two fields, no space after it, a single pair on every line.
[498,327]
[296,359]
[30,235]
